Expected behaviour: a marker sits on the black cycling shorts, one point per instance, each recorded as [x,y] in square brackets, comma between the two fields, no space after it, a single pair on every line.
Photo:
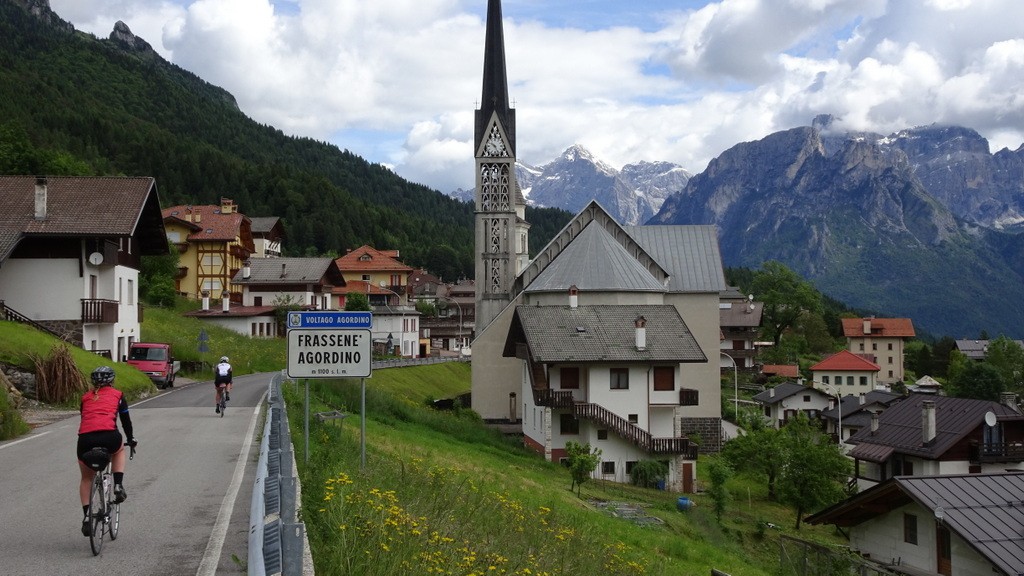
[109,439]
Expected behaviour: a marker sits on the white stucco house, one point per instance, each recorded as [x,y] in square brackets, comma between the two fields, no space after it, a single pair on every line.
[70,253]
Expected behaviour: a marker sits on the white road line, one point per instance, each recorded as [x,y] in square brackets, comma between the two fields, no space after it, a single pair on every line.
[208,566]
[9,444]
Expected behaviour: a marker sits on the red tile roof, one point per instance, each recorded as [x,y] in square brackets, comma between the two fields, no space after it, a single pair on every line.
[367,259]
[784,370]
[846,361]
[212,225]
[880,327]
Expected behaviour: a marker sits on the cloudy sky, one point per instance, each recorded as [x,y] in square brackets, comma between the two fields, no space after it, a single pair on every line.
[397,81]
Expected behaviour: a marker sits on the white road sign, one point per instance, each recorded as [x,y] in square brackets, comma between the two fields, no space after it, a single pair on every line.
[329,353]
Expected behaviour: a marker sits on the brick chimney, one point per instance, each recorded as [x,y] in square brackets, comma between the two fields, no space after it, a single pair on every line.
[928,421]
[40,197]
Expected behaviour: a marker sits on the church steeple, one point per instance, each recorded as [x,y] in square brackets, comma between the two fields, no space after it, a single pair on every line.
[501,231]
[494,97]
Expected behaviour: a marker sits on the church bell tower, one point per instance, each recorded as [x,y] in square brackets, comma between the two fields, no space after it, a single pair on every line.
[501,231]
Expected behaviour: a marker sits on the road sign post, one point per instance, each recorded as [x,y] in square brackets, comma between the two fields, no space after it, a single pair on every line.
[329,344]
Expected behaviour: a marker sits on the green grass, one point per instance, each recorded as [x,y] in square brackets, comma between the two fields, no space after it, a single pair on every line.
[443,494]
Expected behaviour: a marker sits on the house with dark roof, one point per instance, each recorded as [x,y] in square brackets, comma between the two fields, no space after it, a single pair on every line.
[882,341]
[855,412]
[612,375]
[70,253]
[213,242]
[977,350]
[937,524]
[845,373]
[269,283]
[784,401]
[925,434]
[740,320]
[267,236]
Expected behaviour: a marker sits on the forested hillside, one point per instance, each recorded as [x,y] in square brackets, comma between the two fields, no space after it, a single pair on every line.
[75,104]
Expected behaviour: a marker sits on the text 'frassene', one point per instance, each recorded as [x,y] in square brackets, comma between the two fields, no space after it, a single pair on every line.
[343,339]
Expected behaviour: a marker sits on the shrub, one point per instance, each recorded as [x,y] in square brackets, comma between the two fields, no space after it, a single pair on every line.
[647,473]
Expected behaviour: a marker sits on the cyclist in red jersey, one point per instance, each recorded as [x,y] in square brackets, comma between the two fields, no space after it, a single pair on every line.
[100,409]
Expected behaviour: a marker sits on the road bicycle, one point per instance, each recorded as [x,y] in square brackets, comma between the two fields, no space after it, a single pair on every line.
[104,511]
[222,404]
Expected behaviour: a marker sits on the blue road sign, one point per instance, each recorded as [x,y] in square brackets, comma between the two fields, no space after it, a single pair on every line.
[330,320]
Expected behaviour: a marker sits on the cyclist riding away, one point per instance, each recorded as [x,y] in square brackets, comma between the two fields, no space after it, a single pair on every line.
[222,377]
[100,409]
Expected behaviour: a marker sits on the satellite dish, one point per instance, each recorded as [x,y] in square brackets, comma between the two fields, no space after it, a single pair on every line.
[96,258]
[990,418]
[383,284]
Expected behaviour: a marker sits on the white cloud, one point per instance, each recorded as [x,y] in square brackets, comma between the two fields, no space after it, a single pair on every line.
[397,81]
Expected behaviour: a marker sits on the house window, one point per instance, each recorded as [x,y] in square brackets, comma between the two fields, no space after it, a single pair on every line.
[864,380]
[257,301]
[366,277]
[824,379]
[633,419]
[568,424]
[664,378]
[608,468]
[890,345]
[252,329]
[569,378]
[629,466]
[890,359]
[807,398]
[768,411]
[890,373]
[849,380]
[131,292]
[861,346]
[602,434]
[874,347]
[620,378]
[909,528]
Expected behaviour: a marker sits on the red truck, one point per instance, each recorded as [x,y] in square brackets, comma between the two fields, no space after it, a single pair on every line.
[155,360]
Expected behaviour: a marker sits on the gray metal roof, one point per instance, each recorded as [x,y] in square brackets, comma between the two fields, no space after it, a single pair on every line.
[290,271]
[689,253]
[984,510]
[899,426]
[783,390]
[263,224]
[602,334]
[594,261]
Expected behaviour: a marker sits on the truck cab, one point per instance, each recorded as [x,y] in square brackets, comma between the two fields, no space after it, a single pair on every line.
[155,360]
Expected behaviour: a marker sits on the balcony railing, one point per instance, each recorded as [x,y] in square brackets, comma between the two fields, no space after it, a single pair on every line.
[99,311]
[996,452]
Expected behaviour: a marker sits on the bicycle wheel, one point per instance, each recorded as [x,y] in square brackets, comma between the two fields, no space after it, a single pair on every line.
[96,513]
[114,511]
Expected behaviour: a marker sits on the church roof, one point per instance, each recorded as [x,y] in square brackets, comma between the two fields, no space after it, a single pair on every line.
[689,253]
[594,261]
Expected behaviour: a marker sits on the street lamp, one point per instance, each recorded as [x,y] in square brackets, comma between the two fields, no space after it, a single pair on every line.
[839,406]
[735,385]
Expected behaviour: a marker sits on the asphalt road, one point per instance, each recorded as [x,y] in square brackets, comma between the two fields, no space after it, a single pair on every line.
[189,490]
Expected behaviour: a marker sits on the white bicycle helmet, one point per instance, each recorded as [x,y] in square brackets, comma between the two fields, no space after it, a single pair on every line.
[223,358]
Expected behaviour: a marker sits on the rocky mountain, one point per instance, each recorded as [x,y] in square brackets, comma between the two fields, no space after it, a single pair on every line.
[880,223]
[633,195]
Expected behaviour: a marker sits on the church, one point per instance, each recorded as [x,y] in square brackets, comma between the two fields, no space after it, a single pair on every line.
[609,335]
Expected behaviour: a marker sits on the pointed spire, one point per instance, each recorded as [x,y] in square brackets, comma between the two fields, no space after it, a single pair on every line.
[494,97]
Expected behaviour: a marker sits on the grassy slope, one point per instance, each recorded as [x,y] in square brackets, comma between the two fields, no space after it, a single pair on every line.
[406,446]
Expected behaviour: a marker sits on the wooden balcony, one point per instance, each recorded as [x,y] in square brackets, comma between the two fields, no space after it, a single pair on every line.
[99,311]
[996,452]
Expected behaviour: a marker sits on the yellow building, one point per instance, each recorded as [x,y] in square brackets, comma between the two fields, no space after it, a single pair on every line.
[213,242]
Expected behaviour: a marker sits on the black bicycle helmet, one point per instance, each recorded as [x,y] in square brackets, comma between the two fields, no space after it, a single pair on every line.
[103,376]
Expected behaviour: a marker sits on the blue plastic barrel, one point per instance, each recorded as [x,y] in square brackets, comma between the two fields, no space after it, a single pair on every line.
[683,504]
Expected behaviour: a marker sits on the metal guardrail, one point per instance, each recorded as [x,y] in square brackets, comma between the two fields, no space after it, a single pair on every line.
[276,537]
